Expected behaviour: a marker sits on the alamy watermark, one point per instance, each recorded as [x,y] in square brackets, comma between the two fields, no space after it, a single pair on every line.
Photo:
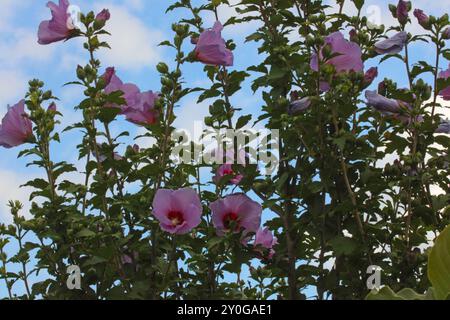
[217,146]
[374,280]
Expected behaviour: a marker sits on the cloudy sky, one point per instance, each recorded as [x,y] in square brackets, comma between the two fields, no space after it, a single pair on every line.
[137,26]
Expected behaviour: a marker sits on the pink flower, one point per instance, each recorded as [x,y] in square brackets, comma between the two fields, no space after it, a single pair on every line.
[16,128]
[402,11]
[211,47]
[113,83]
[392,45]
[103,15]
[178,211]
[349,58]
[236,212]
[60,27]
[142,111]
[422,18]
[264,238]
[445,93]
[227,170]
[140,106]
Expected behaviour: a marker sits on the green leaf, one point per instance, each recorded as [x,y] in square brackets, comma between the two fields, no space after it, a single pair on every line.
[343,245]
[439,265]
[384,293]
[85,233]
[358,4]
[242,121]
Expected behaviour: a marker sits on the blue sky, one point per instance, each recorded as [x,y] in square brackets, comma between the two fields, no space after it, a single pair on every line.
[137,27]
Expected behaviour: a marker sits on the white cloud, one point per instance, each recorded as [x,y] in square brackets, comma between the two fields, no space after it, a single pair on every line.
[12,88]
[133,43]
[9,8]
[9,190]
[20,45]
[225,12]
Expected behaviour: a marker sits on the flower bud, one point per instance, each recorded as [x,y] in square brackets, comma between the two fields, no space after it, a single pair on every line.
[403,8]
[422,18]
[446,34]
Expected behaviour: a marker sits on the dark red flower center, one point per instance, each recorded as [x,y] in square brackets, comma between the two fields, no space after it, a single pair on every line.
[176,218]
[227,172]
[231,220]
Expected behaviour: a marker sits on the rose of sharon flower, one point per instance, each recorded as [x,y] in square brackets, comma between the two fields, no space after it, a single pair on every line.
[140,106]
[227,170]
[60,27]
[16,127]
[422,18]
[445,93]
[402,11]
[264,238]
[142,111]
[235,213]
[392,45]
[178,211]
[113,83]
[349,58]
[211,47]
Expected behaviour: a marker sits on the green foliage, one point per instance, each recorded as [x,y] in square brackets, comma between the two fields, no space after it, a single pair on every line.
[439,265]
[332,204]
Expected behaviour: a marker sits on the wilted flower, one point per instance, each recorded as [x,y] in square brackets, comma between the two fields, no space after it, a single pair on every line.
[392,45]
[211,47]
[16,127]
[422,18]
[103,15]
[381,103]
[178,211]
[348,58]
[60,27]
[265,239]
[299,106]
[445,93]
[390,107]
[235,213]
[402,11]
